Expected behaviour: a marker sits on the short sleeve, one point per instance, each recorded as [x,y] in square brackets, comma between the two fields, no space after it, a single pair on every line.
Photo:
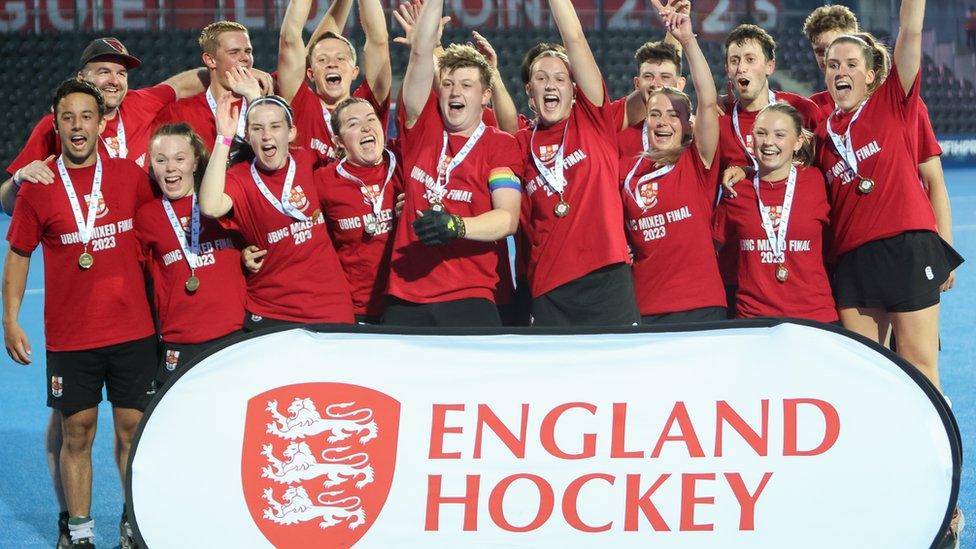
[150,101]
[506,165]
[26,228]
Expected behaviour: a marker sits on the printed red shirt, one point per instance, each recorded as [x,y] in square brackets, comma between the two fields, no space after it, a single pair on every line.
[885,141]
[300,279]
[675,267]
[462,268]
[216,308]
[928,144]
[591,236]
[738,225]
[313,134]
[348,208]
[196,112]
[138,111]
[630,141]
[105,304]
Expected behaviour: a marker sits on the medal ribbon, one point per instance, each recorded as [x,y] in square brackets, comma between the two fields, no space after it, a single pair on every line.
[85,225]
[283,205]
[843,145]
[738,130]
[241,116]
[645,138]
[555,181]
[635,192]
[777,238]
[191,250]
[123,151]
[439,189]
[327,116]
[375,201]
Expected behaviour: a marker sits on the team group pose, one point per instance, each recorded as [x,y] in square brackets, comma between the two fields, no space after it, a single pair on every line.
[228,199]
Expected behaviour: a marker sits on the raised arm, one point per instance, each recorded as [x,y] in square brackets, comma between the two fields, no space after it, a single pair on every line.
[706,115]
[908,45]
[419,77]
[189,83]
[334,19]
[213,201]
[376,51]
[586,73]
[14,282]
[501,101]
[291,48]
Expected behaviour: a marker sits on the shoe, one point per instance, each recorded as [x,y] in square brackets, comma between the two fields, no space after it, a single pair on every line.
[950,539]
[64,538]
[83,543]
[126,537]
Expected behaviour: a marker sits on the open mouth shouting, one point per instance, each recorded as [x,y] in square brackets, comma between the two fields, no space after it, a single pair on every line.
[368,143]
[79,141]
[550,102]
[333,79]
[455,107]
[269,151]
[843,88]
[742,84]
[173,184]
[663,137]
[769,153]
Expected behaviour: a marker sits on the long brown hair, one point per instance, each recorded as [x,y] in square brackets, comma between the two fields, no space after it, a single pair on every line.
[682,105]
[874,53]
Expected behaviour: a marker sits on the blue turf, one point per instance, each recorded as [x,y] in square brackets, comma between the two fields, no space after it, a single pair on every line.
[28,511]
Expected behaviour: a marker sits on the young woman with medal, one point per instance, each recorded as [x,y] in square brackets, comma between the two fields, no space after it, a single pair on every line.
[890,259]
[358,195]
[668,194]
[271,200]
[573,217]
[776,224]
[194,263]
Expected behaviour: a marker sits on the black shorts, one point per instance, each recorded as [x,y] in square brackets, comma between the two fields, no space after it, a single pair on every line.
[898,274]
[254,323]
[75,378]
[704,314]
[176,356]
[467,313]
[604,297]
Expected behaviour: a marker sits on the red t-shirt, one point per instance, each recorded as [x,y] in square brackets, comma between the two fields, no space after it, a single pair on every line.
[675,268]
[591,236]
[885,141]
[301,279]
[105,304]
[313,134]
[216,308]
[463,268]
[196,112]
[928,144]
[738,225]
[630,142]
[365,258]
[138,111]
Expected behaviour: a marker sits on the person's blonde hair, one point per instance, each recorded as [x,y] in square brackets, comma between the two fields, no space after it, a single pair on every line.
[829,18]
[459,56]
[210,35]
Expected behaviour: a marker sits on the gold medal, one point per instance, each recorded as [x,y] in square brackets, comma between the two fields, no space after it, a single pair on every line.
[85,260]
[782,273]
[561,209]
[372,228]
[437,207]
[865,186]
[192,283]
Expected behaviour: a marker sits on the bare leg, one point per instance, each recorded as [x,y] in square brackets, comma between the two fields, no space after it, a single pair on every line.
[918,340]
[126,421]
[53,447]
[76,466]
[870,323]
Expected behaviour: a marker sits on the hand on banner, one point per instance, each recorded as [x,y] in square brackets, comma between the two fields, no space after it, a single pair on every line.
[36,172]
[731,176]
[406,16]
[227,115]
[436,228]
[243,83]
[253,257]
[16,341]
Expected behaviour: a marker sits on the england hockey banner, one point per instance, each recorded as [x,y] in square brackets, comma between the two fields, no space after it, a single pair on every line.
[751,434]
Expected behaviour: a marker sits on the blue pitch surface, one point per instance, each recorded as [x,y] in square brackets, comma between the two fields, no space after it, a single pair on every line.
[28,509]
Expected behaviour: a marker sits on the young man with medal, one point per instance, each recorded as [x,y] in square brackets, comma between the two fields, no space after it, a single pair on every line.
[269,197]
[194,263]
[891,261]
[97,324]
[573,217]
[668,193]
[358,194]
[462,188]
[776,224]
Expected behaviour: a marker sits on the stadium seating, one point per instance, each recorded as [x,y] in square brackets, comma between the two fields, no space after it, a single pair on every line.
[35,64]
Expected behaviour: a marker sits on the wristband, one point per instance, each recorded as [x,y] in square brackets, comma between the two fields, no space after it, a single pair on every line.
[459,226]
[16,179]
[224,140]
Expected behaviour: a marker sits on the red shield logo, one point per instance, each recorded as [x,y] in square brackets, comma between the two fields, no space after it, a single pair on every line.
[298,199]
[775,213]
[648,192]
[101,210]
[317,462]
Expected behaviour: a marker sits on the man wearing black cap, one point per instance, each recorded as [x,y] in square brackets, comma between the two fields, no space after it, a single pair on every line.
[129,120]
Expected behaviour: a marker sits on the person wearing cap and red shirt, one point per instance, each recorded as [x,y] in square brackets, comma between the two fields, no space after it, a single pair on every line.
[128,122]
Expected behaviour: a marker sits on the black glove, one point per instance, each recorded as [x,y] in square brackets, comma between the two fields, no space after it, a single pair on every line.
[436,228]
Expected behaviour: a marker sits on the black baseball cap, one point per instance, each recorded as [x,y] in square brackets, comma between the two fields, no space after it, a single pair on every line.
[110,48]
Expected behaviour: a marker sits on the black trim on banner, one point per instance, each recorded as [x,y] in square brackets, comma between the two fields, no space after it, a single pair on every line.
[934,395]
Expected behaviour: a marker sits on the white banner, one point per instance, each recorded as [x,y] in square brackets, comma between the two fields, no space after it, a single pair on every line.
[759,434]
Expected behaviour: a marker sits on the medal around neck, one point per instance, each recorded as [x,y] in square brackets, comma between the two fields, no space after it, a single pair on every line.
[561,209]
[782,273]
[865,186]
[192,284]
[371,228]
[86,260]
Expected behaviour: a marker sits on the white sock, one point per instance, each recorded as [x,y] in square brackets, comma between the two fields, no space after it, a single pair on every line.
[81,531]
